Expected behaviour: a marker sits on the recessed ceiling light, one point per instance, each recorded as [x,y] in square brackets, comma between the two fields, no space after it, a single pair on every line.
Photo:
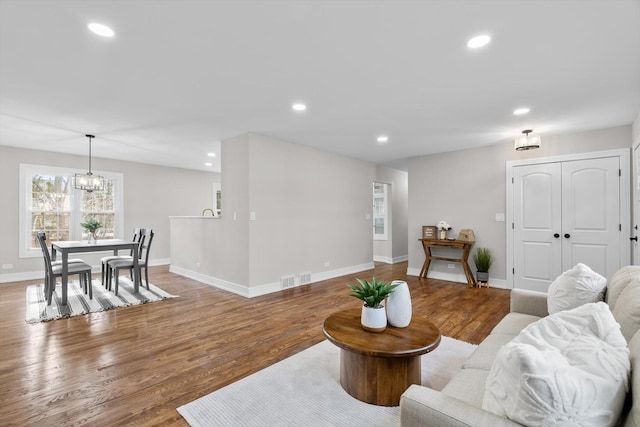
[521,111]
[211,154]
[208,164]
[299,107]
[478,41]
[100,29]
[383,138]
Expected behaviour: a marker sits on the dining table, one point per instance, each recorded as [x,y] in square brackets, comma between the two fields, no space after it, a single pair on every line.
[81,246]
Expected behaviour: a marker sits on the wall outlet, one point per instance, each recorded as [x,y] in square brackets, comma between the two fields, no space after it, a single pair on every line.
[7,266]
[253,216]
[500,217]
[197,265]
[451,266]
[327,264]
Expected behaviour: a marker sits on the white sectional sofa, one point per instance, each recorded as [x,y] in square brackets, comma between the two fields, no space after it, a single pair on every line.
[460,402]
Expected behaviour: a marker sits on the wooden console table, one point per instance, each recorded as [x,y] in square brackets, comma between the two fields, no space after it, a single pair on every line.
[465,246]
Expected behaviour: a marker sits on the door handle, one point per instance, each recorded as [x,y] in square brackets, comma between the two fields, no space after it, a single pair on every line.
[556,235]
[567,235]
[634,238]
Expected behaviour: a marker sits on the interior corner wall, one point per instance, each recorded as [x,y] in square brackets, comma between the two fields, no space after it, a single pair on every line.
[151,194]
[394,249]
[467,189]
[635,129]
[310,210]
[234,263]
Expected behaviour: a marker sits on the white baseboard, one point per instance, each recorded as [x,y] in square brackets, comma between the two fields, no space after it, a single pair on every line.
[35,275]
[456,277]
[389,260]
[267,288]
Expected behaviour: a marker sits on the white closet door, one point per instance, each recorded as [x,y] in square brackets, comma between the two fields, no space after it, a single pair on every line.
[537,219]
[591,214]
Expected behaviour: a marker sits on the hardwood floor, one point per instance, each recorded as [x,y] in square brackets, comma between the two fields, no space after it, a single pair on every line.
[136,365]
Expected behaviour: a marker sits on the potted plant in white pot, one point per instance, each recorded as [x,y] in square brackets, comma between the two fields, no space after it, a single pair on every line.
[373,294]
[483,259]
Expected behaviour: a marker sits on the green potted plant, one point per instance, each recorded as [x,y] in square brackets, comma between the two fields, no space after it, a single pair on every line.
[483,259]
[91,226]
[373,294]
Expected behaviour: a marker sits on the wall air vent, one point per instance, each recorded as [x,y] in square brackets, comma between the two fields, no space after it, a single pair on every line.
[288,281]
[305,278]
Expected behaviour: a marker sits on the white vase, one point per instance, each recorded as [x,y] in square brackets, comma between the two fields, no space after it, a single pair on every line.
[399,305]
[373,319]
[443,234]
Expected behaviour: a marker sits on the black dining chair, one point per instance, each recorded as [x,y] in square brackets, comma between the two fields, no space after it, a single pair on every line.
[106,272]
[127,264]
[52,270]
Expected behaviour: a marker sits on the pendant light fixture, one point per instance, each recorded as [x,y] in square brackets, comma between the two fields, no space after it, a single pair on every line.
[527,142]
[89,182]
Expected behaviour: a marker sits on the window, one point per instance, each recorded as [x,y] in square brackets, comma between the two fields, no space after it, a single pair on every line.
[49,202]
[380,216]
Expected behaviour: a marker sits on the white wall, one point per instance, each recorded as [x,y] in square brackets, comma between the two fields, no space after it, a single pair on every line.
[395,249]
[310,212]
[151,195]
[467,188]
[310,209]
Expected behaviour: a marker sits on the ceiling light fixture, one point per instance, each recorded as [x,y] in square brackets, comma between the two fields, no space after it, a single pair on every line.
[478,41]
[211,154]
[527,142]
[88,182]
[383,138]
[208,164]
[521,111]
[100,29]
[299,107]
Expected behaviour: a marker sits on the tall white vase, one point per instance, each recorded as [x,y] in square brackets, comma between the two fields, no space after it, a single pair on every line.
[399,305]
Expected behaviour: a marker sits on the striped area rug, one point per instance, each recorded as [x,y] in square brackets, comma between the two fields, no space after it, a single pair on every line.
[78,303]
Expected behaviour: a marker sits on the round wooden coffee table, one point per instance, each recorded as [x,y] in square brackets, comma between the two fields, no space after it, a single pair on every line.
[378,367]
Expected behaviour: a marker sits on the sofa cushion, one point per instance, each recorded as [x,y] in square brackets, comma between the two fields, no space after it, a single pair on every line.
[627,308]
[513,323]
[571,368]
[484,355]
[576,286]
[468,386]
[633,417]
[618,282]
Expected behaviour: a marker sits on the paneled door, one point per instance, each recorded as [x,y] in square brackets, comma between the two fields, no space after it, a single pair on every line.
[565,213]
[635,186]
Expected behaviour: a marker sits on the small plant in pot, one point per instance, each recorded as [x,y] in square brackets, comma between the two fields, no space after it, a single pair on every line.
[91,226]
[373,294]
[483,259]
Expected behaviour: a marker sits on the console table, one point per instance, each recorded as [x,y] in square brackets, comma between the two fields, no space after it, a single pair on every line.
[463,245]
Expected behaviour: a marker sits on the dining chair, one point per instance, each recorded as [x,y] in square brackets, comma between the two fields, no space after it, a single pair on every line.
[52,270]
[105,260]
[146,237]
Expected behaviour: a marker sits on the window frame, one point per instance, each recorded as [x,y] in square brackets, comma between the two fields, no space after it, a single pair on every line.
[384,196]
[27,171]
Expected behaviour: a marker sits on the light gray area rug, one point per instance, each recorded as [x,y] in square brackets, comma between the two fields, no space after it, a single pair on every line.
[305,390]
[78,303]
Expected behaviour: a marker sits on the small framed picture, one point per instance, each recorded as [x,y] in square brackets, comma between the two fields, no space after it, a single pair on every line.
[429,232]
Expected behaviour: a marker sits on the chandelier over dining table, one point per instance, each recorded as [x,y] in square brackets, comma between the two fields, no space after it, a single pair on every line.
[89,182]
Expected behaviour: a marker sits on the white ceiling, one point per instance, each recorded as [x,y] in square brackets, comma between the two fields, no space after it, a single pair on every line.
[181,75]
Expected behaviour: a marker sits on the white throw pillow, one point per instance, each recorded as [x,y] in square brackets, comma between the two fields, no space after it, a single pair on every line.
[569,368]
[577,286]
